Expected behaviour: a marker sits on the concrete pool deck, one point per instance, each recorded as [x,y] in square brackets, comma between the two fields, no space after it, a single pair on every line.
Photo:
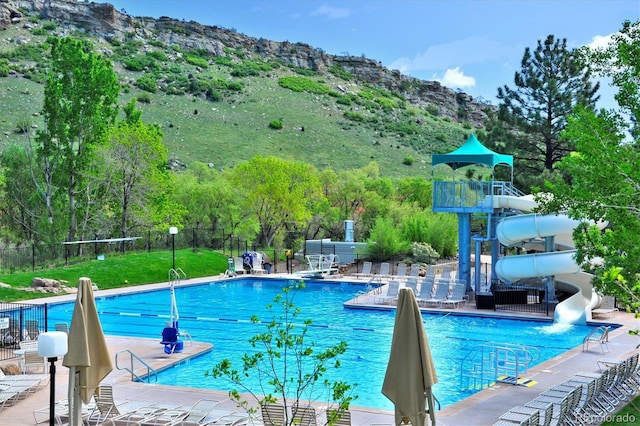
[482,408]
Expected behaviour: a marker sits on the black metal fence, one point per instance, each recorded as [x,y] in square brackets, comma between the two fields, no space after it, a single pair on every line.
[41,256]
[520,298]
[20,322]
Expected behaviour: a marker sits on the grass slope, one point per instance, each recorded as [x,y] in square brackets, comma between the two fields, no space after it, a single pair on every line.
[235,128]
[119,271]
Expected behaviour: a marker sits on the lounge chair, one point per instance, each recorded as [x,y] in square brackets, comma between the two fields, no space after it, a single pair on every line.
[106,407]
[62,326]
[392,293]
[256,267]
[273,414]
[414,271]
[412,283]
[426,290]
[238,265]
[441,293]
[606,308]
[344,420]
[366,270]
[198,412]
[33,329]
[598,335]
[457,297]
[304,416]
[401,270]
[33,361]
[384,269]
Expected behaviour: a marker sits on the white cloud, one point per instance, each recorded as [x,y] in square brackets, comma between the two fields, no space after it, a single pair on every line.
[331,12]
[600,42]
[453,77]
[472,50]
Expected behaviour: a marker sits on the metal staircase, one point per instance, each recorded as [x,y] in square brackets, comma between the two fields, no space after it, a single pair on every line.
[491,363]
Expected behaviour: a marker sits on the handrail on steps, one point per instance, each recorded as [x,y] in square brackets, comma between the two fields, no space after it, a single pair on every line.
[130,369]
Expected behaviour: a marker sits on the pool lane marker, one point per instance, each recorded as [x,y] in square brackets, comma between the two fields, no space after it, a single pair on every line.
[242,321]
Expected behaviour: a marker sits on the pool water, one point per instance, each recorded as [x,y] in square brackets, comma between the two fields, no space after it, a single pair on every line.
[220,313]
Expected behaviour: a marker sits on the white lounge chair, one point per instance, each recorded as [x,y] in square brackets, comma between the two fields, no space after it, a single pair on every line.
[366,270]
[457,297]
[426,290]
[392,293]
[385,267]
[401,270]
[238,265]
[412,283]
[441,293]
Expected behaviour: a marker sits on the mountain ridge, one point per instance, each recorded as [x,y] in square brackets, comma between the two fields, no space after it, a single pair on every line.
[432,105]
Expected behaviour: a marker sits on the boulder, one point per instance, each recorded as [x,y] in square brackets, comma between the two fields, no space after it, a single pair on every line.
[45,282]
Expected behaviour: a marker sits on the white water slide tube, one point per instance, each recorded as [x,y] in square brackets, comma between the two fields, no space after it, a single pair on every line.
[561,264]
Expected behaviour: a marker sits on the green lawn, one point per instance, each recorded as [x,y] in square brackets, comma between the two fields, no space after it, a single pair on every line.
[120,271]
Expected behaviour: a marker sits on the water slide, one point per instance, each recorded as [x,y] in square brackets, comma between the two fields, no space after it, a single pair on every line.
[529,229]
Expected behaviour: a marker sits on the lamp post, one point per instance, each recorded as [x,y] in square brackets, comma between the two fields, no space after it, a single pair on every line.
[51,345]
[173,231]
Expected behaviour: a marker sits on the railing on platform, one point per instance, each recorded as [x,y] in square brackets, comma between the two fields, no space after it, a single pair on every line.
[469,196]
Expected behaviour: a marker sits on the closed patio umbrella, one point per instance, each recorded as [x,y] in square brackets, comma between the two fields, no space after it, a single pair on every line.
[410,372]
[88,357]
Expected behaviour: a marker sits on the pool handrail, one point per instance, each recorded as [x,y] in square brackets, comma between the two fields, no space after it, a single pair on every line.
[130,369]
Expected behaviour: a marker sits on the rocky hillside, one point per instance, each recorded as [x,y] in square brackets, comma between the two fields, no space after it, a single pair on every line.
[107,23]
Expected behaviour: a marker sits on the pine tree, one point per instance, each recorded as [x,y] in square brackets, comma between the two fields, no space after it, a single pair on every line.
[551,82]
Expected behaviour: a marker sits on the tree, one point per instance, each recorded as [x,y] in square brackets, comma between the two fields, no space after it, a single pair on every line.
[288,369]
[551,82]
[80,104]
[279,193]
[135,173]
[604,175]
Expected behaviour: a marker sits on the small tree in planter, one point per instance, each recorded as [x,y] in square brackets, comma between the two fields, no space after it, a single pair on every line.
[288,369]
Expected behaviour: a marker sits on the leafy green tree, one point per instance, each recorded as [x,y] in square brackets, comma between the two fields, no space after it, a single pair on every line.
[553,79]
[289,370]
[211,202]
[136,176]
[279,193]
[80,103]
[604,174]
[21,206]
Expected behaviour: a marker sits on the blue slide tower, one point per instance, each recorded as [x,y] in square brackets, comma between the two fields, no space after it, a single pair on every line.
[467,198]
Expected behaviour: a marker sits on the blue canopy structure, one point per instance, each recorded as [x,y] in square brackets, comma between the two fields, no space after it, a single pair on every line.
[472,152]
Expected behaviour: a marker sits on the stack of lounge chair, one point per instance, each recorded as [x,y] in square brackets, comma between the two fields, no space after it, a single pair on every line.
[583,399]
[14,388]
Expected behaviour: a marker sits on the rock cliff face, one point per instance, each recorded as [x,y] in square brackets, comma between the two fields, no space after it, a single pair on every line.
[104,21]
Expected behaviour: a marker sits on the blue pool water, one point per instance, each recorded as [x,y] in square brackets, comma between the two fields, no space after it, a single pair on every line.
[220,313]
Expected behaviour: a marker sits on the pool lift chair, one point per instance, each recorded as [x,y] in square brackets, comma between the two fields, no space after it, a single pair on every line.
[171,333]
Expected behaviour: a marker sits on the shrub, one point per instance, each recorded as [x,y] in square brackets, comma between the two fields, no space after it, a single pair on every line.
[275,124]
[197,61]
[408,161]
[23,125]
[147,83]
[384,241]
[4,67]
[424,253]
[144,98]
[302,84]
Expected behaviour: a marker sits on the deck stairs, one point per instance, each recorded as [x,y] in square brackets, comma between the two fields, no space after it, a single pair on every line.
[491,363]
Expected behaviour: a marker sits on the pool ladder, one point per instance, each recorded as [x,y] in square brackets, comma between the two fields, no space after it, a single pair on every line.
[135,377]
[488,364]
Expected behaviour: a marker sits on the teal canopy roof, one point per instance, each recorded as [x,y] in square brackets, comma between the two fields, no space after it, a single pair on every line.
[472,152]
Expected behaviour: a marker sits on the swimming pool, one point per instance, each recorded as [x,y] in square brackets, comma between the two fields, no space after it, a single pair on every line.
[220,313]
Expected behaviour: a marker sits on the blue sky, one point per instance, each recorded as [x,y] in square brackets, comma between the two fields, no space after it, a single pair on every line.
[472,45]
